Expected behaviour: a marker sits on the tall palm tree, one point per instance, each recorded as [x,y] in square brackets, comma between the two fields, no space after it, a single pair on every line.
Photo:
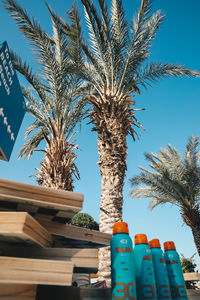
[173,179]
[114,67]
[55,98]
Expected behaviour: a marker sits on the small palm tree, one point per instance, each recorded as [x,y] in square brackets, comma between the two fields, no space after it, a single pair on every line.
[173,180]
[53,98]
[114,68]
[188,266]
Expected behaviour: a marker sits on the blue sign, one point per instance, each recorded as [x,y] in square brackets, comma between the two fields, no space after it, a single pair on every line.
[12,105]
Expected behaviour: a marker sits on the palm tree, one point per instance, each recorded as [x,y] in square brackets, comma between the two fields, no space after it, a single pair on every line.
[114,67]
[53,98]
[173,179]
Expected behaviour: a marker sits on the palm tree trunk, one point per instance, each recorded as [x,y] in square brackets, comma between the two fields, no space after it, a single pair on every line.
[191,217]
[58,168]
[112,148]
[196,236]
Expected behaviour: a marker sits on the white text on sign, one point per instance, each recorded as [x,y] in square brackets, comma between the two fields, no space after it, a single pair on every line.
[5,122]
[6,64]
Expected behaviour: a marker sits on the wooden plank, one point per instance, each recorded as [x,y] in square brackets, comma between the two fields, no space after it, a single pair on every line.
[84,260]
[193,276]
[17,292]
[76,237]
[20,227]
[35,271]
[55,204]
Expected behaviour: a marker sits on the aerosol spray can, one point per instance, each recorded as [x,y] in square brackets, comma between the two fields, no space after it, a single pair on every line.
[145,279]
[175,273]
[122,265]
[160,270]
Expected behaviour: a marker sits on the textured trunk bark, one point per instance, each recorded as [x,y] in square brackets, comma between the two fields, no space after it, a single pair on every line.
[58,167]
[196,236]
[113,119]
[191,217]
[55,172]
[112,148]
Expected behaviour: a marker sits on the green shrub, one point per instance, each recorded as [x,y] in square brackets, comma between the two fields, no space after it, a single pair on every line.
[84,220]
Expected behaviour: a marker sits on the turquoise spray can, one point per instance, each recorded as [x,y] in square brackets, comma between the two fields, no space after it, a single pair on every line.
[123,285]
[175,273]
[145,279]
[160,270]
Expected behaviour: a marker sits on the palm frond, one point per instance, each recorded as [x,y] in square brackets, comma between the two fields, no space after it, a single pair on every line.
[29,27]
[45,46]
[30,145]
[119,24]
[32,127]
[143,15]
[191,153]
[140,46]
[97,39]
[156,71]
[138,51]
[73,116]
[24,69]
[56,37]
[106,21]
[159,201]
[75,36]
[171,178]
[120,31]
[95,65]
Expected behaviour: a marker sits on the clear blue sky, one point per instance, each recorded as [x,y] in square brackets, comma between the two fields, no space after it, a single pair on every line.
[171,116]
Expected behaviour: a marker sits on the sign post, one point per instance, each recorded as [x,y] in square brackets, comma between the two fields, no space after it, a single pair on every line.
[12,105]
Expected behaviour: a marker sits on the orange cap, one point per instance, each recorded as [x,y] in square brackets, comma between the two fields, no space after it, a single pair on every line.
[141,239]
[169,246]
[155,243]
[120,227]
